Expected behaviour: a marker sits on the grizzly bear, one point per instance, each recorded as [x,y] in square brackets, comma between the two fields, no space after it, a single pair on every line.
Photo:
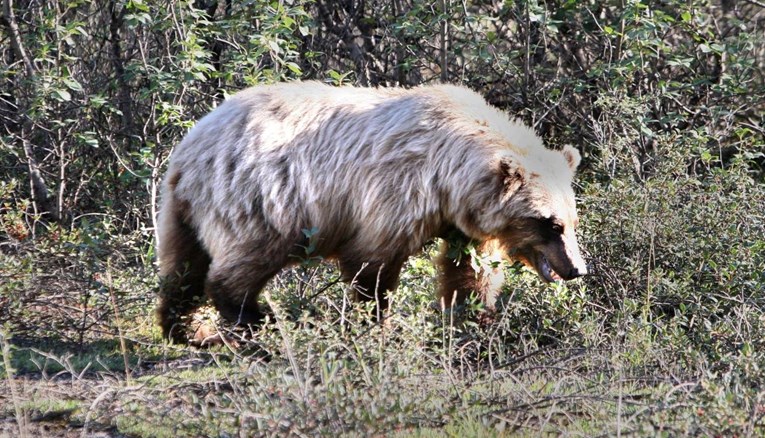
[377,173]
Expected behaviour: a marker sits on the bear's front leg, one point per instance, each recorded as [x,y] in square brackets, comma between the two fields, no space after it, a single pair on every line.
[459,279]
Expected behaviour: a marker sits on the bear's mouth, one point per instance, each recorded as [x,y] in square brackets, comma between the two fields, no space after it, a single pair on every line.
[546,271]
[537,261]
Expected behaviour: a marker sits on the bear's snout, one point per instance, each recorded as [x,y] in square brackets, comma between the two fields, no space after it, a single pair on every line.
[576,272]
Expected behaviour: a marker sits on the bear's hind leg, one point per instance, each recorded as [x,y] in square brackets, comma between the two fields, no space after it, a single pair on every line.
[235,281]
[183,269]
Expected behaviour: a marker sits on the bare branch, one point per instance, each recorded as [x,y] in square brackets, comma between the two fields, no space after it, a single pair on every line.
[15,34]
[40,193]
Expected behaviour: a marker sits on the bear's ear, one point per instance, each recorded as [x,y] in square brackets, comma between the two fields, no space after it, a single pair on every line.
[512,176]
[573,158]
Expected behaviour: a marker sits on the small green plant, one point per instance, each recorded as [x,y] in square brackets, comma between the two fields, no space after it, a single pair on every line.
[309,259]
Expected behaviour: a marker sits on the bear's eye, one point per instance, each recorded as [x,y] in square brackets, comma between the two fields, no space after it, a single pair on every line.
[551,226]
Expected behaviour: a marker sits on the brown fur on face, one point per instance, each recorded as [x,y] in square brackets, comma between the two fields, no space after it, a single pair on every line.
[378,172]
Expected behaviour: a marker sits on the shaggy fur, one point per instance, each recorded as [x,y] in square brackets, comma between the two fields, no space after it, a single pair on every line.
[378,172]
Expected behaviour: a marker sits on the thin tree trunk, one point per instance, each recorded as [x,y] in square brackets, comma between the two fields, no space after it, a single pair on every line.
[445,6]
[40,194]
[125,103]
[13,30]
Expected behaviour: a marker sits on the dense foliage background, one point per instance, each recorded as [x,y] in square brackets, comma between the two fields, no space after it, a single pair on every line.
[665,99]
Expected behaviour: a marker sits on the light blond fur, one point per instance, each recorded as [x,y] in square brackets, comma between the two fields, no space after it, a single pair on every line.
[378,172]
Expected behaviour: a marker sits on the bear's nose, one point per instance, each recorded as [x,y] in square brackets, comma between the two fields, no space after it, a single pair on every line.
[577,272]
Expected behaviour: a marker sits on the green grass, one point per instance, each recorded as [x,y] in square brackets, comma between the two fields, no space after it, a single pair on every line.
[565,369]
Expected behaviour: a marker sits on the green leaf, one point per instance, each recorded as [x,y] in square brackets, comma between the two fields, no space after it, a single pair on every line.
[274,46]
[72,84]
[97,101]
[294,68]
[137,5]
[684,62]
[61,95]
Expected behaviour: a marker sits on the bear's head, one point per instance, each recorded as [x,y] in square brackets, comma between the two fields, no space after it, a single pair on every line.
[535,219]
